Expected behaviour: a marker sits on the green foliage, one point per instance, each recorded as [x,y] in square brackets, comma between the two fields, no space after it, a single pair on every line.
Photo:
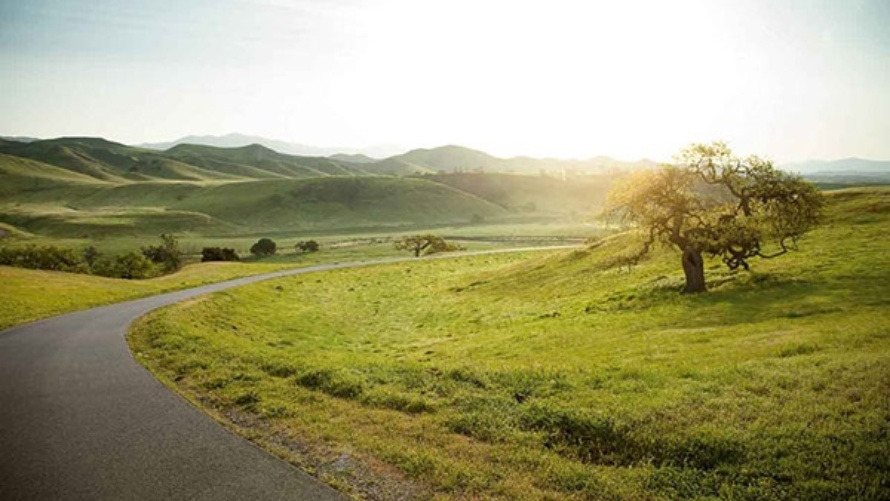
[218,254]
[264,247]
[167,255]
[90,255]
[306,246]
[47,257]
[715,203]
[426,244]
[131,265]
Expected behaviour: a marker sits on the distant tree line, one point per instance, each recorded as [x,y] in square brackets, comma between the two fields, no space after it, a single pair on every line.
[148,262]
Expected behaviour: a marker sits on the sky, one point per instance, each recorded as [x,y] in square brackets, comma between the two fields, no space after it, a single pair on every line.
[789,80]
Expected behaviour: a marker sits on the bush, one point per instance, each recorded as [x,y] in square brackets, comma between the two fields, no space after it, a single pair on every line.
[307,246]
[130,265]
[218,254]
[43,258]
[264,247]
[167,254]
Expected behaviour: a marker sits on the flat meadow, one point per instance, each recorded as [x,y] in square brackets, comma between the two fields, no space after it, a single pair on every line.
[560,375]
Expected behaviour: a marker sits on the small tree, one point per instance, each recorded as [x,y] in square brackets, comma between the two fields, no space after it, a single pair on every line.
[427,244]
[717,204]
[264,247]
[218,254]
[307,246]
[131,265]
[167,254]
[90,255]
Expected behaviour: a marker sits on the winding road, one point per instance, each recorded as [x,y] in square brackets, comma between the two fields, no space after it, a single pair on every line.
[81,419]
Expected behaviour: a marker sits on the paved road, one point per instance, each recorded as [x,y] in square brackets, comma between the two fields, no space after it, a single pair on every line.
[80,419]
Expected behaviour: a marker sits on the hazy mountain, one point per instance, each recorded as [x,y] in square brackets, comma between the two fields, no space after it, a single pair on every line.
[238,140]
[110,161]
[258,161]
[843,171]
[19,139]
[107,160]
[357,158]
[858,165]
[453,158]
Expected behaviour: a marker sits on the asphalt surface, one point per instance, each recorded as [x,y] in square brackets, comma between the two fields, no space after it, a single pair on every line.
[81,419]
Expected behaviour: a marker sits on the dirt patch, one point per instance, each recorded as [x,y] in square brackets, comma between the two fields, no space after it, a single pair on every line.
[359,477]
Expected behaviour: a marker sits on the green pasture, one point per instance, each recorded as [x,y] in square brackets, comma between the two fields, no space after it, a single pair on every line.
[561,375]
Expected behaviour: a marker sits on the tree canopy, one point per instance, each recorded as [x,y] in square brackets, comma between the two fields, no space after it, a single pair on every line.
[264,247]
[428,244]
[712,202]
[307,246]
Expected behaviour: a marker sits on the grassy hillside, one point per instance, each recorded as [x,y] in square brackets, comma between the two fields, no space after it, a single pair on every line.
[114,162]
[259,162]
[336,203]
[562,377]
[460,159]
[583,195]
[248,207]
[89,188]
[22,176]
[109,161]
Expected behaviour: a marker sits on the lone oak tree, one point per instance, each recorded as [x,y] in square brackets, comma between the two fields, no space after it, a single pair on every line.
[429,243]
[714,203]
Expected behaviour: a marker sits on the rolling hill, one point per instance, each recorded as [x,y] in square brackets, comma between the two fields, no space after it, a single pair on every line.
[109,161]
[516,193]
[86,188]
[82,187]
[257,161]
[453,158]
[236,140]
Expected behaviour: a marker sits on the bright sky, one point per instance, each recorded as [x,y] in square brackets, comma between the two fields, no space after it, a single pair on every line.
[792,80]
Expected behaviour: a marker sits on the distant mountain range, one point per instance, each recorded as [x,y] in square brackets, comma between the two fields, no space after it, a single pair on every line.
[236,140]
[19,139]
[237,155]
[843,165]
[84,187]
[110,161]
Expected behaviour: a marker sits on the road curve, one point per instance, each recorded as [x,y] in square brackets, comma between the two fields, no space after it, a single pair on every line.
[81,419]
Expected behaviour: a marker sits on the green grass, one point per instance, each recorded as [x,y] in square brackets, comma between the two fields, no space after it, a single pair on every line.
[93,189]
[561,376]
[105,210]
[29,295]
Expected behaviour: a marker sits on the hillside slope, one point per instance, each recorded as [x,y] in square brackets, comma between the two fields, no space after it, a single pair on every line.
[566,376]
[455,159]
[583,195]
[260,162]
[97,210]
[109,161]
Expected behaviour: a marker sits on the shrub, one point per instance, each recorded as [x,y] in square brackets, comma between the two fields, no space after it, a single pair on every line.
[307,246]
[167,254]
[131,265]
[43,258]
[264,247]
[218,254]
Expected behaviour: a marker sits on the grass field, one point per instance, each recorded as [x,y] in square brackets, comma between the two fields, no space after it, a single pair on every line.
[29,295]
[561,376]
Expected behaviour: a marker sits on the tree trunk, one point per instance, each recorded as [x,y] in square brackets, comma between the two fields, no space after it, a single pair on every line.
[694,268]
